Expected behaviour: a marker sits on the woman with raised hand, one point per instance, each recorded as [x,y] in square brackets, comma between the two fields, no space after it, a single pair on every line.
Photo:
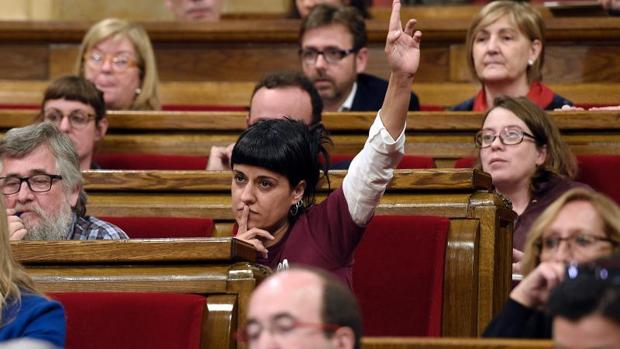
[24,312]
[579,227]
[521,148]
[505,53]
[276,168]
[117,56]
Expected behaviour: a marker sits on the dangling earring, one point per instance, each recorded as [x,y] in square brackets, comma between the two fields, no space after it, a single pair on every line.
[138,91]
[295,208]
[530,62]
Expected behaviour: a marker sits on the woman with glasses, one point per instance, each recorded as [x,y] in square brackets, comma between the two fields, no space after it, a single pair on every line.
[579,227]
[521,148]
[24,312]
[118,57]
[77,108]
[505,53]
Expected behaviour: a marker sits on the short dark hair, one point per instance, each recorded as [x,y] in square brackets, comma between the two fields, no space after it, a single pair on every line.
[361,5]
[324,15]
[282,79]
[594,290]
[75,88]
[288,147]
[340,307]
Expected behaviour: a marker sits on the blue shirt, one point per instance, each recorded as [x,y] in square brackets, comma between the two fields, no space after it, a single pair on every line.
[35,317]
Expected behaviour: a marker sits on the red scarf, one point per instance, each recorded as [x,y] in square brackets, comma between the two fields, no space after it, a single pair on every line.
[540,94]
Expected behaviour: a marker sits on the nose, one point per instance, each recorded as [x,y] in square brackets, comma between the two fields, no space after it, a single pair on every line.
[320,63]
[247,195]
[492,44]
[65,125]
[564,252]
[497,143]
[24,194]
[266,341]
[106,65]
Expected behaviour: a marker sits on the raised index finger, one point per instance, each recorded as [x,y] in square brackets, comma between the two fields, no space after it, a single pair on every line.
[243,225]
[395,23]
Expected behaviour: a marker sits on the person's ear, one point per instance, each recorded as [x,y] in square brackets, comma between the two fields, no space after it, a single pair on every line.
[74,195]
[101,128]
[343,338]
[298,192]
[542,155]
[535,50]
[361,60]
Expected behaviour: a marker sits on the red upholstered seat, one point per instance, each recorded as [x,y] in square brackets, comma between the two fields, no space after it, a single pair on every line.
[600,172]
[133,320]
[467,162]
[163,227]
[407,162]
[126,161]
[202,107]
[398,275]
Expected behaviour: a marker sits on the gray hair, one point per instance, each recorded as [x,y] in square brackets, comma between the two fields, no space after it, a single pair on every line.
[19,142]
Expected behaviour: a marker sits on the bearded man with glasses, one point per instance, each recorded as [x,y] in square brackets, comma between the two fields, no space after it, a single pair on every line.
[334,55]
[42,188]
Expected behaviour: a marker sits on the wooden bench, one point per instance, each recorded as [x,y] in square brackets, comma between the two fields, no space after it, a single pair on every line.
[453,343]
[579,49]
[197,94]
[445,136]
[478,261]
[220,268]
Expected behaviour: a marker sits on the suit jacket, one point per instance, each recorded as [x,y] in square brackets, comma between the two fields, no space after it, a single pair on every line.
[370,93]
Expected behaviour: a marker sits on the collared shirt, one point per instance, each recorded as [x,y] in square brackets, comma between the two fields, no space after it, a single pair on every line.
[91,228]
[372,170]
[348,103]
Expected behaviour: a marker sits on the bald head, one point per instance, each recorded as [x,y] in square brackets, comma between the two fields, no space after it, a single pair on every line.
[288,311]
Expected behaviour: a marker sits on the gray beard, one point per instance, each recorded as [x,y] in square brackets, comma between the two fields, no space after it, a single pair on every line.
[52,226]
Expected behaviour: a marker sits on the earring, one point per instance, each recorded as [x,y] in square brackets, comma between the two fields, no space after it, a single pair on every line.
[530,62]
[139,90]
[295,208]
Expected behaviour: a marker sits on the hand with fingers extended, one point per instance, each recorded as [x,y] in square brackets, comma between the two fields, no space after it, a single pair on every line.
[254,236]
[534,290]
[17,229]
[219,158]
[402,47]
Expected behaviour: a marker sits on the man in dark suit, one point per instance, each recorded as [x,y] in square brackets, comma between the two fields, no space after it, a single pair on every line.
[334,56]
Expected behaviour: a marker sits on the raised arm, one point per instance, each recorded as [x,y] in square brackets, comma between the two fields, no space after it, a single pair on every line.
[372,169]
[402,49]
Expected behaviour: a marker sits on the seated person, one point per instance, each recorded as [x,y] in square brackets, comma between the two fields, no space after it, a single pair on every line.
[117,56]
[301,8]
[196,10]
[505,53]
[579,227]
[277,95]
[311,300]
[42,187]
[333,52]
[276,169]
[25,314]
[77,108]
[521,148]
[586,306]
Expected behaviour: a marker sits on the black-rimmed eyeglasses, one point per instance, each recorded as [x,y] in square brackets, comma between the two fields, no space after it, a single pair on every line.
[332,55]
[38,183]
[508,136]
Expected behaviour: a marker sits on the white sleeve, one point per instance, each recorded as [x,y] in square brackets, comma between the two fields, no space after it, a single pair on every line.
[371,170]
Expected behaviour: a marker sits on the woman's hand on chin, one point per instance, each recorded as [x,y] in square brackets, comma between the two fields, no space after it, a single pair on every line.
[254,236]
[533,291]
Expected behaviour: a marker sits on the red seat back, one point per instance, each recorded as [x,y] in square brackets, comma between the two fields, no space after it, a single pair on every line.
[599,172]
[163,227]
[398,275]
[467,162]
[130,161]
[133,320]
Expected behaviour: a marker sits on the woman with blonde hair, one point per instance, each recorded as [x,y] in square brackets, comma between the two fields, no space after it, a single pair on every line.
[505,53]
[580,226]
[24,312]
[117,56]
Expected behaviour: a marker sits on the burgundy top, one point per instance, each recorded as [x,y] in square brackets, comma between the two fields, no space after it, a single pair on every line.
[324,236]
[546,194]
